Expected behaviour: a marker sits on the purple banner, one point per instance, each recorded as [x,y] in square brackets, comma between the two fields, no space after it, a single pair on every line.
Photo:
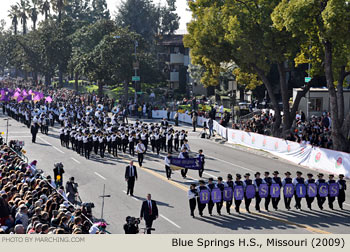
[188,163]
[333,190]
[263,190]
[228,194]
[250,191]
[300,189]
[288,191]
[312,190]
[204,196]
[216,195]
[275,190]
[238,192]
[323,189]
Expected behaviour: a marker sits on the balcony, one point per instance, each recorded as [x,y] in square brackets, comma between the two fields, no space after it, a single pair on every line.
[186,60]
[174,76]
[176,58]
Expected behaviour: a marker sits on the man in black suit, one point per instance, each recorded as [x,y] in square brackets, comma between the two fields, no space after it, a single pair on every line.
[149,212]
[34,130]
[130,177]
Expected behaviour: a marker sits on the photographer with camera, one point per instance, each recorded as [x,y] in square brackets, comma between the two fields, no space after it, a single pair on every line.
[58,174]
[71,190]
[132,225]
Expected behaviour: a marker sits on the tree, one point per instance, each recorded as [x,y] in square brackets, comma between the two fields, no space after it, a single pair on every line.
[31,48]
[84,40]
[146,19]
[242,32]
[23,10]
[45,8]
[323,25]
[58,6]
[34,11]
[13,14]
[79,10]
[99,10]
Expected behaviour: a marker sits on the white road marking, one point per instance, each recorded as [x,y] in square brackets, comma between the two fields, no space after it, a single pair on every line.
[58,149]
[132,196]
[230,163]
[211,175]
[170,221]
[100,176]
[44,140]
[10,136]
[75,160]
[50,145]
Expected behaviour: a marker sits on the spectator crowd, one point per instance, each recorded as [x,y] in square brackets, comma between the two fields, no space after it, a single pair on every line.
[316,131]
[29,204]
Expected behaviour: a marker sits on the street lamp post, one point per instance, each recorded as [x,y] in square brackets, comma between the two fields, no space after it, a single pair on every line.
[135,68]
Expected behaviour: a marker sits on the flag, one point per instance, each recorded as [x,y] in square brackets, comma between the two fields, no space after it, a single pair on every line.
[28,97]
[36,98]
[30,92]
[16,94]
[5,98]
[20,98]
[48,99]
[24,92]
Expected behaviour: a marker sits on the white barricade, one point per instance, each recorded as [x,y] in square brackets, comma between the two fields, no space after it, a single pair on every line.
[329,160]
[220,130]
[315,158]
[157,114]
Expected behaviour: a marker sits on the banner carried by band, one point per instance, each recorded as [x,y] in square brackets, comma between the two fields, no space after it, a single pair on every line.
[239,193]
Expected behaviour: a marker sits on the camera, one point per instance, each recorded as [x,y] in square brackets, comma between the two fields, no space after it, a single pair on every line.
[132,225]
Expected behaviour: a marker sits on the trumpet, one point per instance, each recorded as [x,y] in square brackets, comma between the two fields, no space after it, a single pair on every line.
[100,107]
[89,109]
[62,110]
[115,110]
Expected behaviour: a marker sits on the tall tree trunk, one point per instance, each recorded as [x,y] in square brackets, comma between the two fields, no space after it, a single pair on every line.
[35,77]
[339,141]
[100,89]
[47,80]
[60,79]
[126,92]
[278,119]
[287,120]
[76,82]
[340,95]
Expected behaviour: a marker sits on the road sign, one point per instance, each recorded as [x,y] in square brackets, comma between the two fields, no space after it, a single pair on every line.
[136,78]
[307,79]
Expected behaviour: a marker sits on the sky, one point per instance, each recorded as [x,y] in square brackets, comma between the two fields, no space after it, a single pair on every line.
[112,5]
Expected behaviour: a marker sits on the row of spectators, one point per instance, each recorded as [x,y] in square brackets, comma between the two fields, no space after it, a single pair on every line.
[316,131]
[30,205]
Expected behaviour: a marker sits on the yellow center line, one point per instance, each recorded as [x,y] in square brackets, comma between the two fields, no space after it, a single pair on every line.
[184,188]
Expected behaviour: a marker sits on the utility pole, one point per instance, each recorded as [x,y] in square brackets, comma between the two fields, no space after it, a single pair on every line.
[135,68]
[103,196]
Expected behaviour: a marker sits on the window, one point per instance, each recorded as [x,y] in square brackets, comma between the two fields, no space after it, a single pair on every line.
[316,104]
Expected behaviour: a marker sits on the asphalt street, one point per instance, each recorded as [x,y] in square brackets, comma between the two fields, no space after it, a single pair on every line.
[171,195]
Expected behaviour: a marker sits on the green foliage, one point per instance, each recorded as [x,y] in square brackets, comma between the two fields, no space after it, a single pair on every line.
[147,19]
[248,80]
